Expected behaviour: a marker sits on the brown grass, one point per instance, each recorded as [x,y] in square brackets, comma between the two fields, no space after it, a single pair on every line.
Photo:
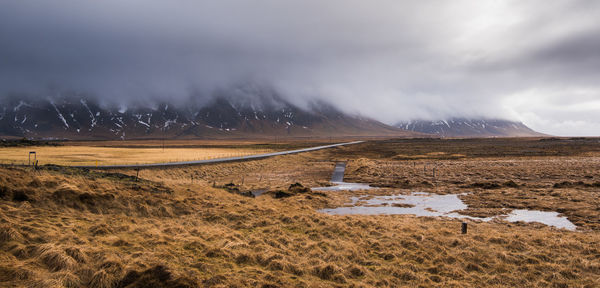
[90,155]
[74,228]
[566,180]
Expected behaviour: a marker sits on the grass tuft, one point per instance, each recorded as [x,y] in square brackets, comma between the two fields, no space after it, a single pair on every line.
[55,258]
[7,233]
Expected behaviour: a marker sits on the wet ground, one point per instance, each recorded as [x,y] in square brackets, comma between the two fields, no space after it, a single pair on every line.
[433,205]
[425,204]
[547,218]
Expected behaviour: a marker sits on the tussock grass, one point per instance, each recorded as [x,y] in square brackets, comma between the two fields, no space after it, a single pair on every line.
[495,185]
[8,233]
[164,231]
[55,258]
[103,279]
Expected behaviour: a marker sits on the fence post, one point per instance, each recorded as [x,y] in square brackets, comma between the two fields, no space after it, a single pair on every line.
[464,227]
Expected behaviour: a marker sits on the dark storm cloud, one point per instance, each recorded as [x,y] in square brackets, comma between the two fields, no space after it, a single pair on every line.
[392,60]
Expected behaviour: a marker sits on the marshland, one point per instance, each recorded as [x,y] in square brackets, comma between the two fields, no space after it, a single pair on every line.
[200,226]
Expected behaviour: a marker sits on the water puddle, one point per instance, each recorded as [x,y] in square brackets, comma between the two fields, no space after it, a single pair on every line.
[344,186]
[417,203]
[258,192]
[337,179]
[547,218]
[426,204]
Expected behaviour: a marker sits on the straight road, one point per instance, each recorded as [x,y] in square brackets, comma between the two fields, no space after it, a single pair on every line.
[219,160]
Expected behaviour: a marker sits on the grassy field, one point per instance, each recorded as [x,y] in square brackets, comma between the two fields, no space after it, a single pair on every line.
[283,143]
[92,155]
[62,227]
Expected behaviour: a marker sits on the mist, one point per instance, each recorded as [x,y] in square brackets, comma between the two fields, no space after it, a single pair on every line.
[534,61]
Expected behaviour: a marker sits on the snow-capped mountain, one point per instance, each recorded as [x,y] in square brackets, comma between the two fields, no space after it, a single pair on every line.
[462,127]
[79,117]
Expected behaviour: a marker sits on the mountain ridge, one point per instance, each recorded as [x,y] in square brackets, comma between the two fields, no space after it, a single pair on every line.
[470,127]
[80,117]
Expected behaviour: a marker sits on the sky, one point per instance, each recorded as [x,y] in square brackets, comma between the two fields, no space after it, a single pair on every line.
[532,61]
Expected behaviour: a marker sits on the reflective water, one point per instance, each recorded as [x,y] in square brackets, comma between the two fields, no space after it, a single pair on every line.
[339,186]
[338,172]
[258,192]
[338,180]
[548,218]
[425,204]
[417,203]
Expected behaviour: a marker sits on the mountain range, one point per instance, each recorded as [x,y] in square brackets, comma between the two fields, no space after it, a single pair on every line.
[254,115]
[464,127]
[78,117]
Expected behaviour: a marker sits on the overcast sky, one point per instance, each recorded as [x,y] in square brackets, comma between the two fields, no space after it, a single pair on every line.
[533,61]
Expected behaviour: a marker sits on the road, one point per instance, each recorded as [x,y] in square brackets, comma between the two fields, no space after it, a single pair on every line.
[218,160]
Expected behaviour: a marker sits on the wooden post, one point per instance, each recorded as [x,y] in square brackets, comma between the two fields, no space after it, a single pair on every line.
[464,227]
[433,173]
[137,174]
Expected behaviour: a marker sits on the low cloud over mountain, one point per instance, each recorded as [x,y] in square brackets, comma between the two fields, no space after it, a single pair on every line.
[225,116]
[535,61]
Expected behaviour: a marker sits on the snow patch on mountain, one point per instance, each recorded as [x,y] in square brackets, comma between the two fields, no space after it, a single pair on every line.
[462,127]
[21,104]
[60,115]
[93,118]
[84,118]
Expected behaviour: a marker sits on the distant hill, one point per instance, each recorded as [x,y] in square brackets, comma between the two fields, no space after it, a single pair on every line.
[77,117]
[462,127]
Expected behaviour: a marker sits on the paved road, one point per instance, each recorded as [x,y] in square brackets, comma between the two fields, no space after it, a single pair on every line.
[219,160]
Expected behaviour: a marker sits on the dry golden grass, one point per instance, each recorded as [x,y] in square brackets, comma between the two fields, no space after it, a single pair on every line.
[91,155]
[208,237]
[75,228]
[569,185]
[295,142]
[272,173]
